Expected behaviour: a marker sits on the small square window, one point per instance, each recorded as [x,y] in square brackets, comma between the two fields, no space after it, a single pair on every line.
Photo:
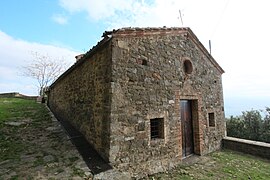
[157,128]
[144,62]
[211,119]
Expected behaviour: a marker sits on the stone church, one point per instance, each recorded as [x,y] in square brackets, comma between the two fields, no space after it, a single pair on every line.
[144,98]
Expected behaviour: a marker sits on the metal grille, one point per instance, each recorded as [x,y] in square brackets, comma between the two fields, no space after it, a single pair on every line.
[156,128]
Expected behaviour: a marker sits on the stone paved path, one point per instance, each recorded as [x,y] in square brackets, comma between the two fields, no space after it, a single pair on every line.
[48,154]
[93,160]
[100,169]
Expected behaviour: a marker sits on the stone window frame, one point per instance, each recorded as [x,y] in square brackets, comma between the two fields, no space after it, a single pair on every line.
[211,125]
[211,110]
[161,141]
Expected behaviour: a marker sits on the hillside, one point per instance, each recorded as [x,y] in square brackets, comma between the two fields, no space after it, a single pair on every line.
[33,145]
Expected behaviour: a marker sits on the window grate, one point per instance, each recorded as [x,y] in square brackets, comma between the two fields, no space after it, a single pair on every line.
[157,128]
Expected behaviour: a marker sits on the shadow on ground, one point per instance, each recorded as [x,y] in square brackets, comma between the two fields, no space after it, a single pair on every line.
[93,160]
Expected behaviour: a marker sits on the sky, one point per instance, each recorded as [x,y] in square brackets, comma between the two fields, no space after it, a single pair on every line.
[238,30]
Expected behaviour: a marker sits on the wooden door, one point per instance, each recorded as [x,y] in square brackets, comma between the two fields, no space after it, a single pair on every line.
[187,128]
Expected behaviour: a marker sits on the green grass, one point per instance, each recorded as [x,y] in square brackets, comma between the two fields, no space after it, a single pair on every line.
[27,137]
[222,165]
[12,141]
[78,172]
[16,108]
[73,159]
[39,161]
[238,165]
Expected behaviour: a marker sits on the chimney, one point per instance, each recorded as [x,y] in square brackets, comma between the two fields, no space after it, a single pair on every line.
[78,57]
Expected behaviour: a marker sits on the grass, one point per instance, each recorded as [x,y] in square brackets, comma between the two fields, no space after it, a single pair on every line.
[11,108]
[238,165]
[73,159]
[16,110]
[78,172]
[33,145]
[32,141]
[224,164]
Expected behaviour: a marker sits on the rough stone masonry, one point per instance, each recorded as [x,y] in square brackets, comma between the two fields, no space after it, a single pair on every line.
[145,98]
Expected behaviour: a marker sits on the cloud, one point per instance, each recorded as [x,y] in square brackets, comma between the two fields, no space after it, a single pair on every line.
[96,10]
[60,19]
[239,34]
[119,13]
[147,13]
[16,53]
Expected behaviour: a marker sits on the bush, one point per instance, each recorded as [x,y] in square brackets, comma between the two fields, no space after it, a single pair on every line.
[250,125]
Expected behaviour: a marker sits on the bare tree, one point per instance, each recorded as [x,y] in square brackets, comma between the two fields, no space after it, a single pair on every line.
[44,69]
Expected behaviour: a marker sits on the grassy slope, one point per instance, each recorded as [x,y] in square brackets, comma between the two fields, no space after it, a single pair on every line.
[241,166]
[15,108]
[18,110]
[31,149]
[222,165]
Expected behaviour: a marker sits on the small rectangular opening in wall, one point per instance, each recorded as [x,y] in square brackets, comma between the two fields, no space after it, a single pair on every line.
[211,119]
[144,62]
[157,128]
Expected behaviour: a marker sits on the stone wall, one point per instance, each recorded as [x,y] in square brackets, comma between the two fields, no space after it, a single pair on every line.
[148,82]
[114,92]
[247,146]
[82,96]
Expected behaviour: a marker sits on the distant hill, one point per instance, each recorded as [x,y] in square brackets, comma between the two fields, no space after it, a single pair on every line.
[16,95]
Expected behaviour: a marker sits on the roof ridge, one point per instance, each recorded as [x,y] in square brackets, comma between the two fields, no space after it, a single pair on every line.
[140,29]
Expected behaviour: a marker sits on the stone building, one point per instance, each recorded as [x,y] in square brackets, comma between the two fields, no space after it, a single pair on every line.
[145,98]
